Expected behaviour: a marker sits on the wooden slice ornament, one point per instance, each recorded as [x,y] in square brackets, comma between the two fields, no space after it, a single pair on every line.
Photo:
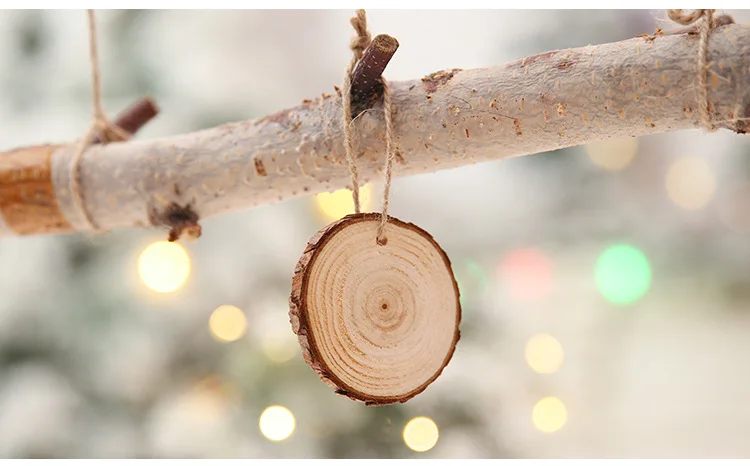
[374,302]
[378,323]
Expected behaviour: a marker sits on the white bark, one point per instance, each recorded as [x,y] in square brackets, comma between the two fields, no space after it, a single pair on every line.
[548,101]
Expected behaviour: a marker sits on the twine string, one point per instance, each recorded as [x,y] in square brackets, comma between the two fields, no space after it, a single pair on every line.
[101,126]
[389,156]
[706,17]
[358,45]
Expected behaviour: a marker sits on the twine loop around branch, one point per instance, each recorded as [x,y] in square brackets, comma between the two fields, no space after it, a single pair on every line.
[706,25]
[101,127]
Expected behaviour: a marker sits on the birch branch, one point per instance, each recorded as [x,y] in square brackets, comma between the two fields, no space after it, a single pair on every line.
[448,119]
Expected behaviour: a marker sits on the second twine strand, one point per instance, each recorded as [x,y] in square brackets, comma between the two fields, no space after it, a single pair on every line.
[358,45]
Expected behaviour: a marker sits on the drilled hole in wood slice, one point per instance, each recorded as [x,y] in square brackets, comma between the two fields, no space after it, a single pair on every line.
[378,323]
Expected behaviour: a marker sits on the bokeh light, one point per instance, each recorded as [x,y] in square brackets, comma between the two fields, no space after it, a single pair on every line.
[279,347]
[549,415]
[276,423]
[206,404]
[623,274]
[227,323]
[477,273]
[164,266]
[612,155]
[526,274]
[690,183]
[544,354]
[219,387]
[271,329]
[734,207]
[472,280]
[421,434]
[339,203]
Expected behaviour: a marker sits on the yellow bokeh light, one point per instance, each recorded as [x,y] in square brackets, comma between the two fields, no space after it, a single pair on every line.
[227,323]
[340,204]
[549,415]
[205,405]
[690,183]
[612,155]
[271,328]
[279,347]
[421,434]
[544,354]
[276,423]
[214,385]
[164,266]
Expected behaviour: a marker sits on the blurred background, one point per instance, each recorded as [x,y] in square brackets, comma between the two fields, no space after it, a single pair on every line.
[605,288]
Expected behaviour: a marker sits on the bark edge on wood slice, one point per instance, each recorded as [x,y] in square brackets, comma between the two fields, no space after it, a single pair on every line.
[378,324]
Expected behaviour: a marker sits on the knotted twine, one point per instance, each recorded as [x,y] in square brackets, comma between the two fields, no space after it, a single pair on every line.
[101,127]
[358,45]
[705,27]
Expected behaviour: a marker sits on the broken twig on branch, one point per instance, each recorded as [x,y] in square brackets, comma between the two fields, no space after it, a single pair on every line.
[135,117]
[367,86]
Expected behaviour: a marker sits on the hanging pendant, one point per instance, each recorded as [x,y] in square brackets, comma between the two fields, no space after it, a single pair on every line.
[376,310]
[378,323]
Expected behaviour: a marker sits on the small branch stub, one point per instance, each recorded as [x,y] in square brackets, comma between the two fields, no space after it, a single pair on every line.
[377,323]
[367,85]
[133,118]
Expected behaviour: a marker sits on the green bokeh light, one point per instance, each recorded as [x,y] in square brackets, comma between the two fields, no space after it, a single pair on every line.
[477,273]
[623,274]
[472,280]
